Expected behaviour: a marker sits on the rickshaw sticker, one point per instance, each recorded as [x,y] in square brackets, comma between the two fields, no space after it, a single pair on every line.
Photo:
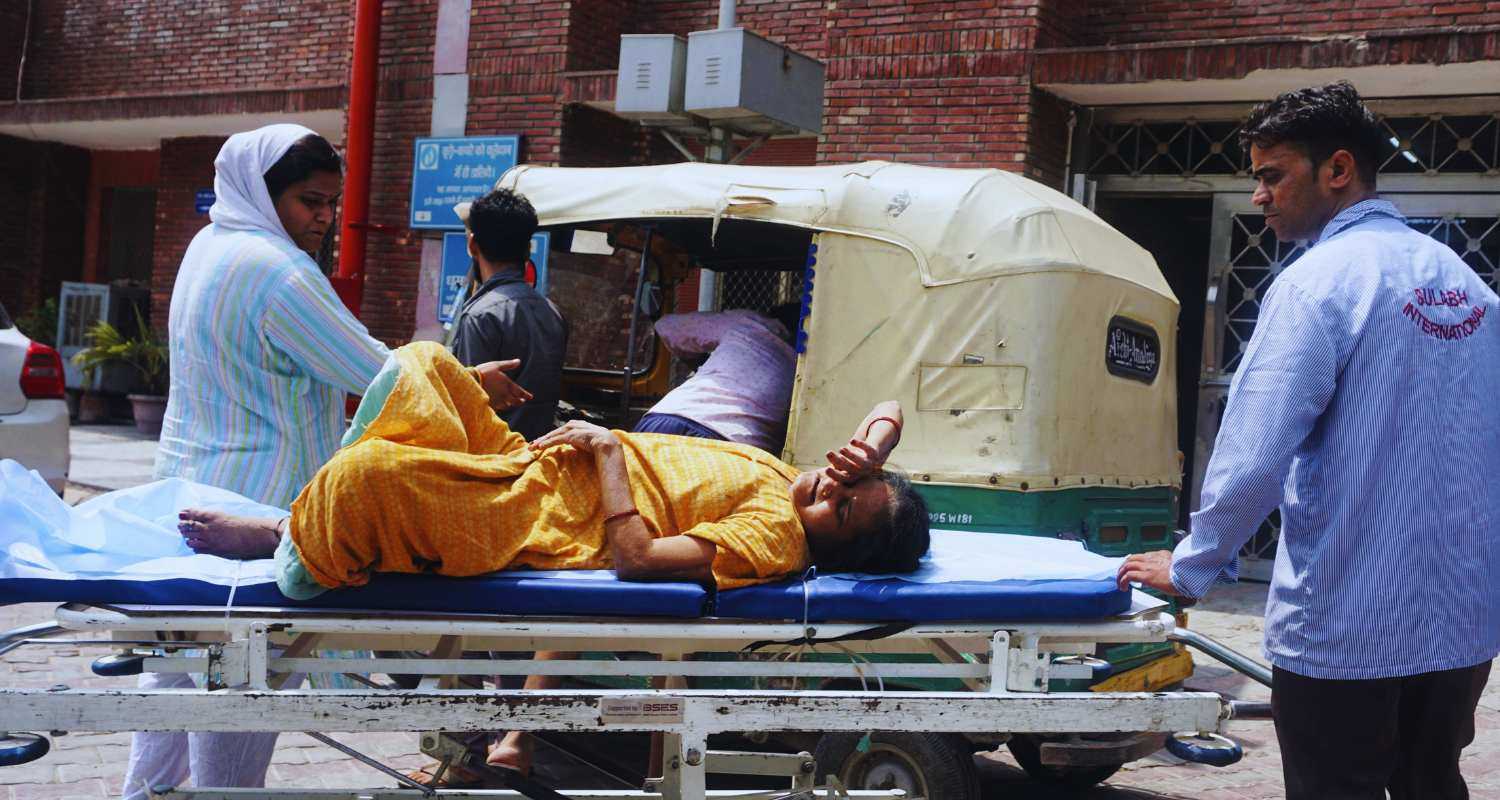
[1132,350]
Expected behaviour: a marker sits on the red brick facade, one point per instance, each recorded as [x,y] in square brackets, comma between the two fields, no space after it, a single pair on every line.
[187,165]
[113,47]
[1139,21]
[42,191]
[950,82]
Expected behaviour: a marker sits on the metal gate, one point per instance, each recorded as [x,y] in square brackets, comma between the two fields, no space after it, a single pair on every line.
[1245,260]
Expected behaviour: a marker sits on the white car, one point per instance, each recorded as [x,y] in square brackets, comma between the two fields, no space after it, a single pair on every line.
[33,405]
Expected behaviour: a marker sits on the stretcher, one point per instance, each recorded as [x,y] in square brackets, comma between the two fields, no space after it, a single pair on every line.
[1008,641]
[1003,621]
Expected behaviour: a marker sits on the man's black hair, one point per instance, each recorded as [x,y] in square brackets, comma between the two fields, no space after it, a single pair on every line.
[897,546]
[1319,120]
[503,222]
[312,153]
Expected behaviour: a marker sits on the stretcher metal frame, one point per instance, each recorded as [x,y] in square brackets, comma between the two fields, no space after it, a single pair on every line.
[246,655]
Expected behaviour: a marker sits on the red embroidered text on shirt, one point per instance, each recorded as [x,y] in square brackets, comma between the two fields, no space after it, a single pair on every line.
[1451,298]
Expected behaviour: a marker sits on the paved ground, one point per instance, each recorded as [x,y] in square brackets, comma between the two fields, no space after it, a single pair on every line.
[91,765]
[109,457]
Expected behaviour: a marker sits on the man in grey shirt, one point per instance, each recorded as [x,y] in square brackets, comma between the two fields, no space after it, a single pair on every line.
[506,318]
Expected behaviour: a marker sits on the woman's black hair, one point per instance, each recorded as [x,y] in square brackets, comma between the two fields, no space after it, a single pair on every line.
[1320,121]
[897,546]
[312,153]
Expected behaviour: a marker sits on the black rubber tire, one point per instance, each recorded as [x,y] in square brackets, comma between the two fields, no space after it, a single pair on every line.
[1028,752]
[940,766]
[22,748]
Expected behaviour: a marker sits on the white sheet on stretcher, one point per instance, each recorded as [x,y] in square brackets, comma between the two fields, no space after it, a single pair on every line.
[131,534]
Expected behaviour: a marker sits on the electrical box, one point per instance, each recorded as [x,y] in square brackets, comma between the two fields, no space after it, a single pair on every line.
[752,85]
[650,82]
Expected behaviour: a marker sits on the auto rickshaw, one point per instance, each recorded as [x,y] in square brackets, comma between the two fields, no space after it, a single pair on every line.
[1030,344]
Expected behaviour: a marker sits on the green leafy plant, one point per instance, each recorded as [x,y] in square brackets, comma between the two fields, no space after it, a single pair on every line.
[145,352]
[39,324]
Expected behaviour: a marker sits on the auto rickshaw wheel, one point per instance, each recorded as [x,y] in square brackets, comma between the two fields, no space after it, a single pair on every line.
[1027,749]
[931,765]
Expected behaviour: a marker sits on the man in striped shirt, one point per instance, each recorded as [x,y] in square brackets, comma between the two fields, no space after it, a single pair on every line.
[1363,407]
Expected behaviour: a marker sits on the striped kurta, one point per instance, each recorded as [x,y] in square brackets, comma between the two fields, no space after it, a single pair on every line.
[262,356]
[1364,407]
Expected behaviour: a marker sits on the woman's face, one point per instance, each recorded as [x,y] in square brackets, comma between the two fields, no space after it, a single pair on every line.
[834,514]
[306,208]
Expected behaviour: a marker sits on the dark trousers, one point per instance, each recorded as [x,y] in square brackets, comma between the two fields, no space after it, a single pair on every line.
[675,425]
[1356,739]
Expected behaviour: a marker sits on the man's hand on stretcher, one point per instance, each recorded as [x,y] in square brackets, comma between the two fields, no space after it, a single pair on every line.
[1151,570]
[637,555]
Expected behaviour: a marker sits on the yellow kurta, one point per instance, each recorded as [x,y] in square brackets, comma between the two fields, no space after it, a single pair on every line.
[439,483]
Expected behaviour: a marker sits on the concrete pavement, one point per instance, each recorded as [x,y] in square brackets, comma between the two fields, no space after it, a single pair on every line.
[107,457]
[92,765]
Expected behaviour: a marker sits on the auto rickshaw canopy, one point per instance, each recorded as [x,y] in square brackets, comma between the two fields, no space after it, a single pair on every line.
[1031,345]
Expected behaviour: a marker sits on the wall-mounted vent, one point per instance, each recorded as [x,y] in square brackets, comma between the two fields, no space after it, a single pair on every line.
[650,81]
[753,85]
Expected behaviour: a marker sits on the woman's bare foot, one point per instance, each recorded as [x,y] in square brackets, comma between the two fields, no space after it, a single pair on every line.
[218,534]
[513,750]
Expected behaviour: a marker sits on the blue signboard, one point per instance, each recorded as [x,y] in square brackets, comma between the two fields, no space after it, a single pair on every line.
[203,199]
[448,171]
[456,264]
[539,244]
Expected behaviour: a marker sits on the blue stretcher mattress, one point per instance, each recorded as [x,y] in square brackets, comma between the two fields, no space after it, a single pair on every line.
[122,548]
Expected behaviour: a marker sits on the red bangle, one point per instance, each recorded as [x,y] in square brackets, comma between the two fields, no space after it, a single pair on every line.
[894,424]
[622,515]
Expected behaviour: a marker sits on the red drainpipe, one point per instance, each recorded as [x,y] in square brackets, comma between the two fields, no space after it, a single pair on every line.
[349,280]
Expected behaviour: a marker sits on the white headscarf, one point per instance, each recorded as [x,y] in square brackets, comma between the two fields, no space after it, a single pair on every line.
[241,200]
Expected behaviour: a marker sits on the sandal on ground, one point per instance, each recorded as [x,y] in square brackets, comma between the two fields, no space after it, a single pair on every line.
[454,777]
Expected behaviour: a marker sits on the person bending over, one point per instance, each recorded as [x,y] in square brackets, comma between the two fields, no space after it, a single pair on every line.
[742,391]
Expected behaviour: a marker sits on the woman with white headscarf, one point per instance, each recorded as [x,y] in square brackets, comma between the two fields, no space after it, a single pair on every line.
[263,354]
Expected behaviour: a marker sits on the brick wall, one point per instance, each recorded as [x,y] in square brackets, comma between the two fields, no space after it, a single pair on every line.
[83,48]
[403,113]
[42,191]
[594,30]
[930,82]
[925,81]
[186,166]
[1135,21]
[12,29]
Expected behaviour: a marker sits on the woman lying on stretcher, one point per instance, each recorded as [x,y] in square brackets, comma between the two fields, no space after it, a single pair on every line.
[436,482]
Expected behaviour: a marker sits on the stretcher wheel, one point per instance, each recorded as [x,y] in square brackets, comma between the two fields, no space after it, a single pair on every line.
[1028,752]
[21,748]
[929,765]
[1200,748]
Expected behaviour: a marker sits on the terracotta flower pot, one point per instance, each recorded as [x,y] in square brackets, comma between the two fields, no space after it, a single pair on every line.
[149,410]
[92,408]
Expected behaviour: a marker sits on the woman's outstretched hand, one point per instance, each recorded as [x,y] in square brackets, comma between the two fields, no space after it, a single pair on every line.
[585,436]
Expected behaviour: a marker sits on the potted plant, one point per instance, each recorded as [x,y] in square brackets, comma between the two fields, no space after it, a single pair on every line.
[145,352]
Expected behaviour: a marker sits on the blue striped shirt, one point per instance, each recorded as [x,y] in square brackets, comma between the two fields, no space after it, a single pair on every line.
[1363,407]
[262,356]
